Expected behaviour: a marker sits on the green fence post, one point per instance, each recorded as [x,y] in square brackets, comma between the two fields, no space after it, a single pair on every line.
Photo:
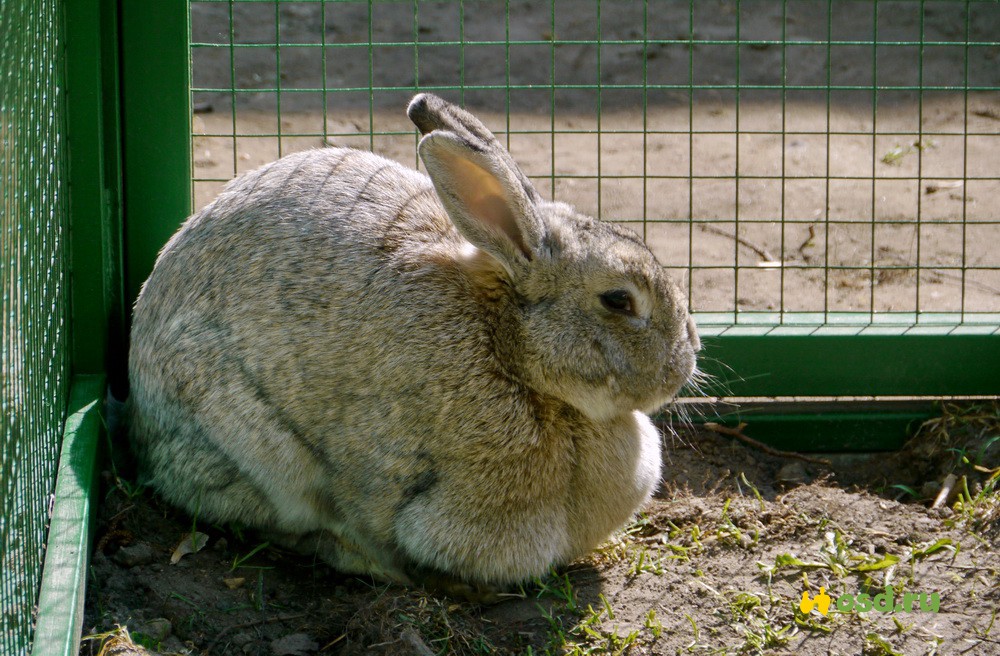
[156,130]
[94,199]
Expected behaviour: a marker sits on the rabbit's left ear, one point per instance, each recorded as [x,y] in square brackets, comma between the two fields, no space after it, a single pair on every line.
[488,198]
[484,201]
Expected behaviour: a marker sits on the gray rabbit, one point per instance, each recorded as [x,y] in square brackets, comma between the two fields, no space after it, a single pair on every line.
[416,378]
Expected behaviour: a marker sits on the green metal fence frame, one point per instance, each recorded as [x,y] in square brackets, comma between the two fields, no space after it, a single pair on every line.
[97,311]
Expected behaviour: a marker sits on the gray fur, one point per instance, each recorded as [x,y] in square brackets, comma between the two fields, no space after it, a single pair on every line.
[406,374]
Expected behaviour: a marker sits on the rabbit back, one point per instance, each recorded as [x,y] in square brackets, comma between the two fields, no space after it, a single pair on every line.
[277,381]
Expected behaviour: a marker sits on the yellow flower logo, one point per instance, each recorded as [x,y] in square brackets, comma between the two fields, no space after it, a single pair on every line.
[820,602]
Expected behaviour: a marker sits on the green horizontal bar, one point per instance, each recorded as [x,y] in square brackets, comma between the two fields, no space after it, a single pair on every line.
[839,319]
[67,552]
[408,2]
[592,42]
[611,131]
[650,176]
[899,362]
[828,430]
[604,87]
[842,267]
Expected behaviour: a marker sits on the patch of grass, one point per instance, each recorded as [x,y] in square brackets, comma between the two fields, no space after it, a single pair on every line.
[964,439]
[559,587]
[985,632]
[876,645]
[907,490]
[426,624]
[756,625]
[646,561]
[896,154]
[727,532]
[121,641]
[813,621]
[837,556]
[623,545]
[240,561]
[573,631]
[655,626]
[978,512]
[753,488]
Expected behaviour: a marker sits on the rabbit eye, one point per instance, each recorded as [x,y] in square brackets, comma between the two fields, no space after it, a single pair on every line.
[618,301]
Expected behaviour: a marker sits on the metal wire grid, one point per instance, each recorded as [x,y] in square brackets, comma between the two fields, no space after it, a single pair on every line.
[695,142]
[33,268]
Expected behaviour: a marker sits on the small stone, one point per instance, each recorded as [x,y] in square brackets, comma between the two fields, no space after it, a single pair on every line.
[944,512]
[241,639]
[794,473]
[930,489]
[158,629]
[295,644]
[134,555]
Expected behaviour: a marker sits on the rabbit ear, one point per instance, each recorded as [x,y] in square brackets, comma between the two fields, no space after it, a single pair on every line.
[486,195]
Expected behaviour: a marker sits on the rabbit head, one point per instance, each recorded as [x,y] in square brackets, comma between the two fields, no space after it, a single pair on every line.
[601,325]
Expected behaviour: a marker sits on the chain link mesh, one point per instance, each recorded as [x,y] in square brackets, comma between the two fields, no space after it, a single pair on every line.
[814,161]
[33,300]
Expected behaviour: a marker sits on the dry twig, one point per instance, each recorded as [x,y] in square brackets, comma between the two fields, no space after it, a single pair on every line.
[247,625]
[762,252]
[738,434]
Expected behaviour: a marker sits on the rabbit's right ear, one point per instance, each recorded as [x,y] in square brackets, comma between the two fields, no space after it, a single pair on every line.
[484,192]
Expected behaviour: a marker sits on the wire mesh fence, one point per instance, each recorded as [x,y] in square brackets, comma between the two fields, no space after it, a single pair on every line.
[815,161]
[33,300]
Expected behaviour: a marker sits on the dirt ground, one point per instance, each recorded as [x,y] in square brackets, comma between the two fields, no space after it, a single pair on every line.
[719,562]
[716,565]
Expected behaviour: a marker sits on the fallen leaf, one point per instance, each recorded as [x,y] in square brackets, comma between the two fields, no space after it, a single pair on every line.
[232,584]
[192,543]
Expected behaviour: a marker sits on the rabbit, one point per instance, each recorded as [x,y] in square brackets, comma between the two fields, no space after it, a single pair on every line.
[415,377]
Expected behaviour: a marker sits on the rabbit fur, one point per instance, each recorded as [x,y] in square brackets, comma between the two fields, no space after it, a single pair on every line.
[408,375]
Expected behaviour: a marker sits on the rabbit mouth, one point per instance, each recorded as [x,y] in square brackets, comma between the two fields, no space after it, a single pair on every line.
[611,398]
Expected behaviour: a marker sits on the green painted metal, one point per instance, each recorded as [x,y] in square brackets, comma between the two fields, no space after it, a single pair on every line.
[803,356]
[34,298]
[820,426]
[95,197]
[60,600]
[61,301]
[853,365]
[156,128]
[833,432]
